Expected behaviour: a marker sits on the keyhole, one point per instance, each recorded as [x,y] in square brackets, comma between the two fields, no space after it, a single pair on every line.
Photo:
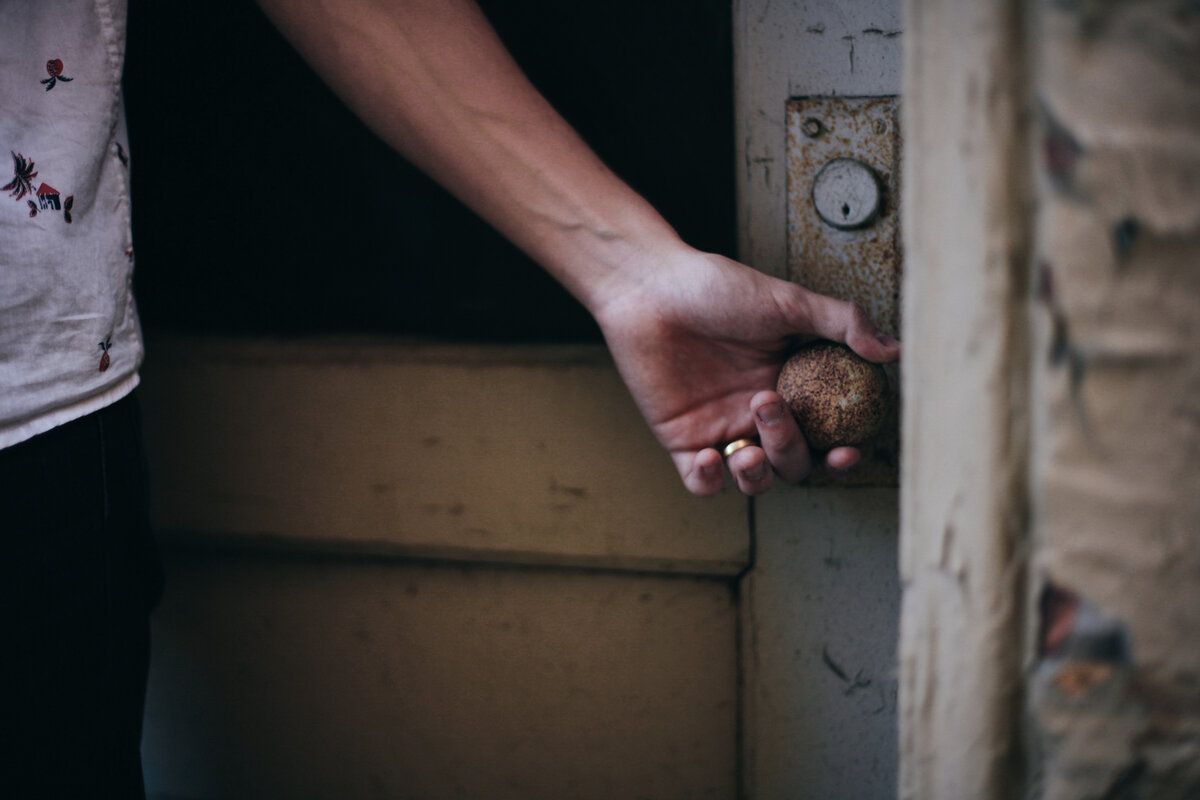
[846,194]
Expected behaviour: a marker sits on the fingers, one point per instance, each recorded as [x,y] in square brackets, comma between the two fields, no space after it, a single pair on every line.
[782,443]
[702,473]
[840,460]
[783,452]
[849,323]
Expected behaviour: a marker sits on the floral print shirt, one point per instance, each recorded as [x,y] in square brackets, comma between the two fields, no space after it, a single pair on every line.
[70,342]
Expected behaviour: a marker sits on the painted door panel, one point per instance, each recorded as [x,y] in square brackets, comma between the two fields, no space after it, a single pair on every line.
[431,572]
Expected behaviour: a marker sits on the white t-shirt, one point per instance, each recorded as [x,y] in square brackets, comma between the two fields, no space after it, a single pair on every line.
[70,342]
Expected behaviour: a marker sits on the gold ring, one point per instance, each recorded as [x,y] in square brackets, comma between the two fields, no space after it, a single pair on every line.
[736,445]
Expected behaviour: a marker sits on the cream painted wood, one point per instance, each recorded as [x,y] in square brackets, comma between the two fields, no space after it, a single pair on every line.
[313,679]
[527,455]
[823,596]
[819,646]
[966,232]
[332,629]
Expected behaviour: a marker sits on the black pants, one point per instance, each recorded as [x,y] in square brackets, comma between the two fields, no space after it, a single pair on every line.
[80,575]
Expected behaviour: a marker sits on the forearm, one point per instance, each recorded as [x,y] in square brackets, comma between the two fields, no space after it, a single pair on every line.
[433,80]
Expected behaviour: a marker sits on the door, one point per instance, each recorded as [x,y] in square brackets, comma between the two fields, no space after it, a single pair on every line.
[820,608]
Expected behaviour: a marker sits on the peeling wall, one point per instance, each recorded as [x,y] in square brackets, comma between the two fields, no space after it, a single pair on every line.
[1115,697]
[1050,641]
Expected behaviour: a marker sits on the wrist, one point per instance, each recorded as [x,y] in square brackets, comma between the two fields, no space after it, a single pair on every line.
[620,274]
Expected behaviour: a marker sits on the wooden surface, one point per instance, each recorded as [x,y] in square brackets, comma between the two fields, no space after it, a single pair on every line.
[786,50]
[1116,447]
[311,679]
[525,455]
[964,453]
[820,617]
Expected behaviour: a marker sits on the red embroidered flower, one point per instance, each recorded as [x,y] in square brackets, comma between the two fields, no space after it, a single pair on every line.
[104,359]
[54,68]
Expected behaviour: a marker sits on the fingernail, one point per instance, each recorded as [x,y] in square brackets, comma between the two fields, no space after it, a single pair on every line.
[771,413]
[754,473]
[887,341]
[708,470]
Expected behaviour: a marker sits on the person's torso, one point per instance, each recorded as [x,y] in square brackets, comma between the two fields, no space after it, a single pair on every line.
[69,336]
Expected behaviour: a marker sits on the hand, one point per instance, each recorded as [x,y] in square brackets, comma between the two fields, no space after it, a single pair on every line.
[700,340]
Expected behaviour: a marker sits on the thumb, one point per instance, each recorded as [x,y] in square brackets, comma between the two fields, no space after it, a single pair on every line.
[848,323]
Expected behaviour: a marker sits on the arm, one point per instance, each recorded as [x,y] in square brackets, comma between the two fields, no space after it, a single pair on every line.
[696,337]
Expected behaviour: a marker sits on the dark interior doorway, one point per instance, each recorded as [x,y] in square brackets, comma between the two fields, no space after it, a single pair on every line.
[262,206]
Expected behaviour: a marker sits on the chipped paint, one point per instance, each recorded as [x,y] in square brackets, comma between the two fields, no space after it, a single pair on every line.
[963,558]
[1115,454]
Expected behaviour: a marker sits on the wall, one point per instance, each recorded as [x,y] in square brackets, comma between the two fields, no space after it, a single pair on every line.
[1051,529]
[1115,453]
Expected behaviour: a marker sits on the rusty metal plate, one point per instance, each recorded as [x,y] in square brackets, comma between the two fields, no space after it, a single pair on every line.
[862,264]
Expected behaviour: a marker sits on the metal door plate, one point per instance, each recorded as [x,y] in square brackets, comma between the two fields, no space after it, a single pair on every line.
[861,264]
